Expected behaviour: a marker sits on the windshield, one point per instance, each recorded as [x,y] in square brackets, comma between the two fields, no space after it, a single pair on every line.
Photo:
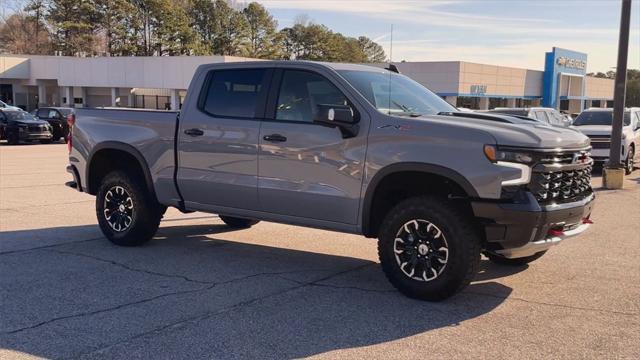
[18,115]
[66,112]
[396,94]
[599,118]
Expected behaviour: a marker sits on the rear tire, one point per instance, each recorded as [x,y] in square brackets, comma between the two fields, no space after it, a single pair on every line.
[499,259]
[127,213]
[416,236]
[238,223]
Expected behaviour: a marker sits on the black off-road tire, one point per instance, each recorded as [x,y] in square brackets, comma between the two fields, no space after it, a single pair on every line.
[462,240]
[145,215]
[45,141]
[498,259]
[238,223]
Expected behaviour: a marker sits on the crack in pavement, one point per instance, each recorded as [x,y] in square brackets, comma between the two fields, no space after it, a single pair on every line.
[49,246]
[208,315]
[142,301]
[555,305]
[127,267]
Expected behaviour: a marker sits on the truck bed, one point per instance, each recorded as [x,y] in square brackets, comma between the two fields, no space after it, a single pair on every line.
[150,133]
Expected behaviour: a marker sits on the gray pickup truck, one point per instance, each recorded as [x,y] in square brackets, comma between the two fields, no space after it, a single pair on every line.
[343,147]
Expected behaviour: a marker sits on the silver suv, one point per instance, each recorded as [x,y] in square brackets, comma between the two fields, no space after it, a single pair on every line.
[596,124]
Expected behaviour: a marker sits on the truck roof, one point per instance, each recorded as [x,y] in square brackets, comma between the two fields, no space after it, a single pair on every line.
[332,65]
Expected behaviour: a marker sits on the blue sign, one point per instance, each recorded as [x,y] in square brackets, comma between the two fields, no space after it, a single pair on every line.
[560,61]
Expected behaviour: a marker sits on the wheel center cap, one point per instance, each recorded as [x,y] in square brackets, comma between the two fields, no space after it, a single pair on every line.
[423,249]
[121,208]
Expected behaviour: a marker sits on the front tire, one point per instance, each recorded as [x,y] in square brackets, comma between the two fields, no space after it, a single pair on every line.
[428,249]
[629,162]
[499,259]
[127,213]
[238,223]
[13,138]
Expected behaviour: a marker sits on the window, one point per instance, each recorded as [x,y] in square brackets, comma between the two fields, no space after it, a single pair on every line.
[395,94]
[234,93]
[599,117]
[300,94]
[542,116]
[53,114]
[43,113]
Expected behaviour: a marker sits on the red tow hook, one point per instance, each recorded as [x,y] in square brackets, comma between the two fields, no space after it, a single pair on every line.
[555,232]
[587,221]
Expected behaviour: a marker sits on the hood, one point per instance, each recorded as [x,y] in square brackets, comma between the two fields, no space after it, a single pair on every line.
[597,129]
[30,122]
[517,132]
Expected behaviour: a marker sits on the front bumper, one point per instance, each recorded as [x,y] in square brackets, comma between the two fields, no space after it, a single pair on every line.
[521,229]
[27,136]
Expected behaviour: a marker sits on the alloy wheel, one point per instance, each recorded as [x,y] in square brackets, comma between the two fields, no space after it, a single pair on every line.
[118,208]
[421,250]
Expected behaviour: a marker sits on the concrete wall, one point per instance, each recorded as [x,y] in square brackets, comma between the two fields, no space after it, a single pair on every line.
[173,72]
[598,88]
[500,80]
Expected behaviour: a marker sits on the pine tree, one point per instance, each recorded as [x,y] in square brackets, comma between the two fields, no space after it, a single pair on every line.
[264,41]
[74,25]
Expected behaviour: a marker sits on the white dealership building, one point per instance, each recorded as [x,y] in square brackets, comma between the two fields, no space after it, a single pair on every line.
[161,82]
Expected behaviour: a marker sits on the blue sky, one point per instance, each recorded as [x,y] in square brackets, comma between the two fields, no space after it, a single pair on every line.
[502,32]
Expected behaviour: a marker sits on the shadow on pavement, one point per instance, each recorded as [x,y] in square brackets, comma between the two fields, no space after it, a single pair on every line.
[188,294]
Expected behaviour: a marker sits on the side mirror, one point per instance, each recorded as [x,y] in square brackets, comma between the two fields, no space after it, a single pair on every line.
[340,116]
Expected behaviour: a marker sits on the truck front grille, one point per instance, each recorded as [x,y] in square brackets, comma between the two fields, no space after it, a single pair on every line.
[37,128]
[562,181]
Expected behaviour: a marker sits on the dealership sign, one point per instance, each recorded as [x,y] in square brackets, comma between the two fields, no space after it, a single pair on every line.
[478,89]
[571,63]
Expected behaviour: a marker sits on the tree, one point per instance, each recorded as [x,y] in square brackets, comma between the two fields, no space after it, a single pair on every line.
[309,41]
[230,30]
[36,10]
[372,50]
[118,22]
[17,36]
[74,25]
[263,39]
[170,33]
[201,14]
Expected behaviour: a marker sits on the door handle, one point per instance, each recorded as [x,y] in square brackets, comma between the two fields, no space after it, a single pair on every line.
[275,138]
[194,132]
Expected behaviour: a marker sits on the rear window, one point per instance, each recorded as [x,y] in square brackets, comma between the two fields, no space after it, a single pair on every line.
[599,118]
[233,93]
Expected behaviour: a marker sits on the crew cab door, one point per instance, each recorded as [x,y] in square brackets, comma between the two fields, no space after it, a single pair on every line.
[308,170]
[218,140]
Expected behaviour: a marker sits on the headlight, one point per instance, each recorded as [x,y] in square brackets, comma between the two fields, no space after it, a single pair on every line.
[511,159]
[496,155]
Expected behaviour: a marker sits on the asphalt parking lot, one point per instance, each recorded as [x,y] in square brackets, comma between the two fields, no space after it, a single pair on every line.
[200,290]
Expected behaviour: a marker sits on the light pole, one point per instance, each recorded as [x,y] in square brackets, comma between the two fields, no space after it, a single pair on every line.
[614,172]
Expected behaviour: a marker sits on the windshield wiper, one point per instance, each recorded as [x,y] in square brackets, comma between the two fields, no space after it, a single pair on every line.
[406,109]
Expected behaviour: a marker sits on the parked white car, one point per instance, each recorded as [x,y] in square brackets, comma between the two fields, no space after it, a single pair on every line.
[5,106]
[596,124]
[546,115]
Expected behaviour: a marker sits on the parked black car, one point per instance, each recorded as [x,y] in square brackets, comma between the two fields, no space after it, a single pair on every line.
[16,126]
[57,118]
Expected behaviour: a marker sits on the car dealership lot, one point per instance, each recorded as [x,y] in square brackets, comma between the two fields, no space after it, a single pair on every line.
[277,291]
